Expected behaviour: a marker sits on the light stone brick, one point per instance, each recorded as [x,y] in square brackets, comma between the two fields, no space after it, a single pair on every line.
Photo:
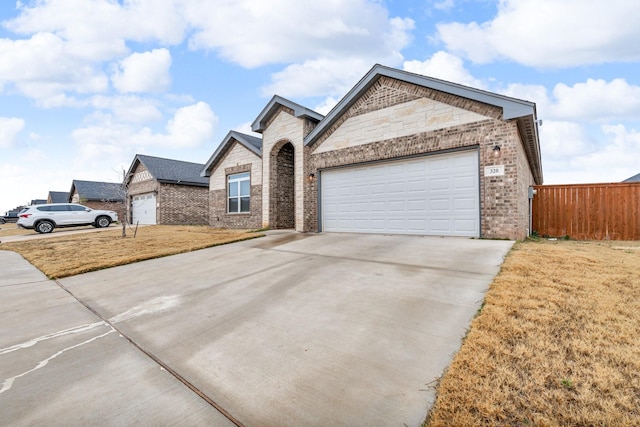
[423,114]
[237,155]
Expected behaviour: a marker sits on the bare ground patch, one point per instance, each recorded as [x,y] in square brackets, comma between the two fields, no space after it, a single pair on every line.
[80,253]
[557,342]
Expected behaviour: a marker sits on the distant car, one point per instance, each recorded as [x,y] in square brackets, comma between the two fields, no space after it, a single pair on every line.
[44,218]
[11,216]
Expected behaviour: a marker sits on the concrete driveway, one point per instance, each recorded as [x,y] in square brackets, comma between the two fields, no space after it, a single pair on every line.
[290,329]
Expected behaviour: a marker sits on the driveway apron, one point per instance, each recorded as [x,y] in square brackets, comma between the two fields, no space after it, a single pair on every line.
[304,329]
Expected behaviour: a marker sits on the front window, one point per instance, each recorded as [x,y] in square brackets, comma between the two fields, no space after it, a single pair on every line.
[238,192]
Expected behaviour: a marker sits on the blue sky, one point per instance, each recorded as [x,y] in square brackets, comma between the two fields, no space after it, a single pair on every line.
[85,85]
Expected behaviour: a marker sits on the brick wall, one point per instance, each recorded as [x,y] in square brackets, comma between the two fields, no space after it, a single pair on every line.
[237,159]
[283,127]
[503,203]
[182,204]
[220,218]
[118,207]
[282,183]
[177,204]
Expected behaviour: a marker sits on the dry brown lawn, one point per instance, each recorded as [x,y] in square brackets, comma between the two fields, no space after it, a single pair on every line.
[11,229]
[557,342]
[79,253]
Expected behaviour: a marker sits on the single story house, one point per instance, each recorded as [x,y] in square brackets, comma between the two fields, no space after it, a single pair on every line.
[166,191]
[98,195]
[58,197]
[401,153]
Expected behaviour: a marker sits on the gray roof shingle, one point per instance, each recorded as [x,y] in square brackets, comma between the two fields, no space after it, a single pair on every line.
[252,143]
[172,171]
[59,196]
[97,191]
[635,178]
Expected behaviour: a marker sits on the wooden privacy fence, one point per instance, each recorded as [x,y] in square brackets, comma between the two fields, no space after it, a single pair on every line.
[587,211]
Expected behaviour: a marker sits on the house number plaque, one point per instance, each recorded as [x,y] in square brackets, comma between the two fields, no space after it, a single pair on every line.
[497,170]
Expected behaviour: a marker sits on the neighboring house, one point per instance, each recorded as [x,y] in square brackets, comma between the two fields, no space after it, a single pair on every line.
[400,153]
[58,197]
[37,202]
[166,191]
[98,195]
[635,178]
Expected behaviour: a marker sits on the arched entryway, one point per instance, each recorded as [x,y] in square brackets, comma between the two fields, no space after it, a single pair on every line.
[282,198]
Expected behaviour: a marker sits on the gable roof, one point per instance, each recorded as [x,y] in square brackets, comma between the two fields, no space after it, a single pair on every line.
[635,178]
[522,111]
[259,124]
[169,171]
[252,143]
[58,196]
[97,191]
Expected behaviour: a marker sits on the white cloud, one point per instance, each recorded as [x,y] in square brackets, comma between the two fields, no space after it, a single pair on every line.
[550,33]
[144,72]
[444,4]
[597,100]
[594,100]
[445,66]
[97,30]
[317,77]
[191,126]
[253,32]
[67,42]
[562,140]
[246,129]
[615,159]
[327,105]
[128,108]
[10,127]
[42,68]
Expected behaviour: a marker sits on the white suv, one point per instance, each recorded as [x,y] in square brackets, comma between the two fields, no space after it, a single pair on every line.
[44,218]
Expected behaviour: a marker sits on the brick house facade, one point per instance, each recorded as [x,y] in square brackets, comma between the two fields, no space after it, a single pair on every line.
[396,120]
[174,192]
[98,195]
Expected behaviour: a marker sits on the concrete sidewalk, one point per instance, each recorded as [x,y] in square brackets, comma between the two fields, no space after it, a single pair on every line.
[60,364]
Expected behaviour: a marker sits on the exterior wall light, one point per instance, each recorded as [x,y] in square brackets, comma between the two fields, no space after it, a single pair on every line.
[495,152]
[311,178]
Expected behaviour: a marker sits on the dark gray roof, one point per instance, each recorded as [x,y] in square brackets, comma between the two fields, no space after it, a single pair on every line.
[171,171]
[38,202]
[259,123]
[59,196]
[97,191]
[523,111]
[635,178]
[252,143]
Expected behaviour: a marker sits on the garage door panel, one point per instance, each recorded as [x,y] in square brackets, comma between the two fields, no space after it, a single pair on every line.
[464,183]
[435,195]
[464,226]
[467,204]
[143,209]
[439,184]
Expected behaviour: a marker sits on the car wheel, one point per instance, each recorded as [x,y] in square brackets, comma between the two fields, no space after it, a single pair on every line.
[45,227]
[103,221]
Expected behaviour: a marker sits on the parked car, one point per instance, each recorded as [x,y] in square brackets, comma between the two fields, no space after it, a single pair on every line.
[44,218]
[2,220]
[11,216]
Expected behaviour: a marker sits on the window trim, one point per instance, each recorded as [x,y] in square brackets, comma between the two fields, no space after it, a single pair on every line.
[238,178]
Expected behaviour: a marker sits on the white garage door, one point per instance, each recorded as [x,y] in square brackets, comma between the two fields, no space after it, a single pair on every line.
[144,209]
[432,195]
